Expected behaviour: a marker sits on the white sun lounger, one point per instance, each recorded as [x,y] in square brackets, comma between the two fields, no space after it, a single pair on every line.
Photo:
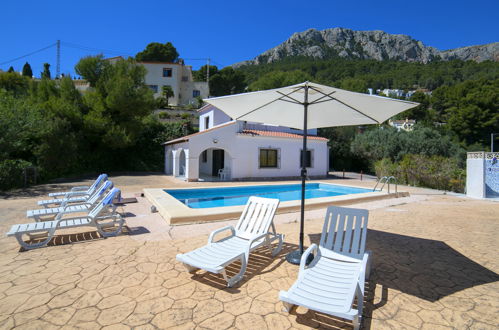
[250,233]
[82,190]
[340,266]
[48,213]
[72,199]
[101,216]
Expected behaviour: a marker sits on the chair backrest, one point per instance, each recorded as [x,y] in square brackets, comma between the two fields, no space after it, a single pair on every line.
[257,217]
[97,195]
[345,231]
[106,201]
[101,178]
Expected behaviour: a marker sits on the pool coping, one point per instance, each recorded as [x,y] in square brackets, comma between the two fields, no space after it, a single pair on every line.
[176,213]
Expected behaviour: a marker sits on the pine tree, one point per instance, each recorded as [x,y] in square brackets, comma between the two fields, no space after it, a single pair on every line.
[27,72]
[11,69]
[46,71]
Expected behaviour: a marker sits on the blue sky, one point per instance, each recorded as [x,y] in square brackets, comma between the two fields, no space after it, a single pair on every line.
[225,31]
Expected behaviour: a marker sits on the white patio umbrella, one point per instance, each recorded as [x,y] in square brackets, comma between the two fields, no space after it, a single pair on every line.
[305,106]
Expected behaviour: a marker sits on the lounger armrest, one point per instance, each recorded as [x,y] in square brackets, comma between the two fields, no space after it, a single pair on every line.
[219,230]
[255,238]
[304,257]
[364,269]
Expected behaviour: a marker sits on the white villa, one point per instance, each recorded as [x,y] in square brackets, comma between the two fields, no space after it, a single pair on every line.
[241,150]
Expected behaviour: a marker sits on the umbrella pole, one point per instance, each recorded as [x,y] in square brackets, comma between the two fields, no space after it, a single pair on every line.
[295,256]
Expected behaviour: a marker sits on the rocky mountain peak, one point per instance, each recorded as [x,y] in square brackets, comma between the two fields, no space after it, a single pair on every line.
[377,45]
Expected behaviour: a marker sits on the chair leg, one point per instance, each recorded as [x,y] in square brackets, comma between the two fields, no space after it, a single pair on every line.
[287,306]
[189,268]
[280,237]
[239,276]
[356,322]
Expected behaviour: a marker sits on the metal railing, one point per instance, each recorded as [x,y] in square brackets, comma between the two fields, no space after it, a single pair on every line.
[385,180]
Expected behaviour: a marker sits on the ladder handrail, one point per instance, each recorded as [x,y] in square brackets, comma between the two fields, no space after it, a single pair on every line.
[386,180]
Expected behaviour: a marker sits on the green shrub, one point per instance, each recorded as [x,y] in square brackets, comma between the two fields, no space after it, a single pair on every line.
[185,116]
[164,115]
[435,172]
[12,173]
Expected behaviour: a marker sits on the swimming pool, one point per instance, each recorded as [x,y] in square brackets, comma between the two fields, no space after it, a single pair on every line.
[231,196]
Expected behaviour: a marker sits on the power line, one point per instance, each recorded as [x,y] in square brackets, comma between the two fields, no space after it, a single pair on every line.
[81,47]
[29,54]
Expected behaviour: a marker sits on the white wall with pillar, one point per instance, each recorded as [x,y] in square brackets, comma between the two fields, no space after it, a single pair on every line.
[482,174]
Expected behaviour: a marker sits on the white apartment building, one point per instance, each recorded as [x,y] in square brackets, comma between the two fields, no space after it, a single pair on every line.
[176,75]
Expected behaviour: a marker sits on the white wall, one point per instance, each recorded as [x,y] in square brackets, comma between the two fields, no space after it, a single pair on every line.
[475,175]
[242,153]
[217,117]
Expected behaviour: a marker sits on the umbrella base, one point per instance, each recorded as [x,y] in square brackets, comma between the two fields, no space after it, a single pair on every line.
[295,257]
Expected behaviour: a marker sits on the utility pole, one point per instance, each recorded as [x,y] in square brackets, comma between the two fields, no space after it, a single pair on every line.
[208,75]
[58,64]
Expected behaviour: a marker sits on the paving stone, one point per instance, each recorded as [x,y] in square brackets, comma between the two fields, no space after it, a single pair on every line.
[112,301]
[206,309]
[116,314]
[261,307]
[28,315]
[277,321]
[85,315]
[239,306]
[432,317]
[220,321]
[172,318]
[250,321]
[183,291]
[10,303]
[90,298]
[59,316]
[34,301]
[67,298]
[154,306]
[116,327]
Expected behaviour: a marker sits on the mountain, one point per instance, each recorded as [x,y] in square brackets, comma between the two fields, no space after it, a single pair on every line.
[377,45]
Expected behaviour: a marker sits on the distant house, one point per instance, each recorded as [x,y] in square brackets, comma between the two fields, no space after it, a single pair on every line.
[243,150]
[176,75]
[406,125]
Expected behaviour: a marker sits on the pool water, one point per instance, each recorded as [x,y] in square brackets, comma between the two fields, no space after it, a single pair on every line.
[230,196]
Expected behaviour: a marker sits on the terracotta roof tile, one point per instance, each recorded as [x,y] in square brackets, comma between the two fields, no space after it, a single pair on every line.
[253,132]
[186,138]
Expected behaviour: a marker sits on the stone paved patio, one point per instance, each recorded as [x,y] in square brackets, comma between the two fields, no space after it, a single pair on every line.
[435,266]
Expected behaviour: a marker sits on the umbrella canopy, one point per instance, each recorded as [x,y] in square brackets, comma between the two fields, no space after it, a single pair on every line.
[309,105]
[327,106]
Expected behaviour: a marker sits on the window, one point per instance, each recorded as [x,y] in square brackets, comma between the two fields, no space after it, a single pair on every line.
[167,72]
[204,156]
[154,88]
[268,158]
[308,158]
[196,93]
[206,122]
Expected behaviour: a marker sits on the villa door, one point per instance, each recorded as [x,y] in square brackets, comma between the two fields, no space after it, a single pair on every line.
[218,161]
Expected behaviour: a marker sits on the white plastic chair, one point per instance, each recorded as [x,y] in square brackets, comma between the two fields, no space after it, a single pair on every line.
[224,174]
[250,233]
[340,266]
[102,216]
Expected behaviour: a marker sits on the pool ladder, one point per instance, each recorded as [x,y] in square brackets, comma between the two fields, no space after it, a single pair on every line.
[384,180]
